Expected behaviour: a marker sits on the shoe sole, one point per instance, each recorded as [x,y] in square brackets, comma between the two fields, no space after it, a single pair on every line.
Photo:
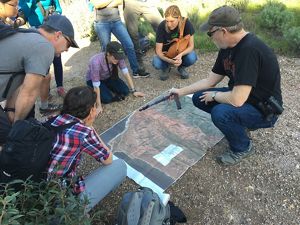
[136,77]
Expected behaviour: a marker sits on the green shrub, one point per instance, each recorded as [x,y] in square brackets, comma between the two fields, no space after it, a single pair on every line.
[93,34]
[275,16]
[292,35]
[240,5]
[41,203]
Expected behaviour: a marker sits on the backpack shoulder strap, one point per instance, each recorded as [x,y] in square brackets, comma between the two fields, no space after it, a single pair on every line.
[181,29]
[57,129]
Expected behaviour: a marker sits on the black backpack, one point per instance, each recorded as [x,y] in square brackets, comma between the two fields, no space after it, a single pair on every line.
[27,150]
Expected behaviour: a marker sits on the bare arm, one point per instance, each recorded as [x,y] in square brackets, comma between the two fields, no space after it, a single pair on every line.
[29,91]
[131,86]
[237,97]
[211,81]
[98,100]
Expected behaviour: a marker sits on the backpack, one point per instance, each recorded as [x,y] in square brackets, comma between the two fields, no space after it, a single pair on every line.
[27,150]
[142,207]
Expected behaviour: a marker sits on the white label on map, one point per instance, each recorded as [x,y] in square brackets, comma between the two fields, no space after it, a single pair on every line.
[168,154]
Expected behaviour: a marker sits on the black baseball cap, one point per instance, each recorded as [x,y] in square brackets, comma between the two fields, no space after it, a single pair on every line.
[224,16]
[115,49]
[63,24]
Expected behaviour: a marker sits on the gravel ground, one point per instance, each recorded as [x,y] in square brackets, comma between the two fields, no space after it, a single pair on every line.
[263,189]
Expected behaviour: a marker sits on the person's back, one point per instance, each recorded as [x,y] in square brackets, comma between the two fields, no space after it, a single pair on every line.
[34,57]
[265,74]
[79,106]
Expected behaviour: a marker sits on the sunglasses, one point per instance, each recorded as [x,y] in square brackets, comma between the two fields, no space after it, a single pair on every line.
[211,33]
[68,40]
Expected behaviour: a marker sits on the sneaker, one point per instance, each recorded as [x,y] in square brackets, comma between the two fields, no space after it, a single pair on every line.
[61,92]
[51,108]
[183,73]
[140,73]
[230,158]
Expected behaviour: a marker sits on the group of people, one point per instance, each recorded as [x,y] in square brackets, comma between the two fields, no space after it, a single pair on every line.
[250,101]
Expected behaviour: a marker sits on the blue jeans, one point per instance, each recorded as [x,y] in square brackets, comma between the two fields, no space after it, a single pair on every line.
[104,31]
[109,85]
[187,61]
[102,181]
[233,121]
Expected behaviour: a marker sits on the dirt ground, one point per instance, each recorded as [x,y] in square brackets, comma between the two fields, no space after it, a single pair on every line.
[263,189]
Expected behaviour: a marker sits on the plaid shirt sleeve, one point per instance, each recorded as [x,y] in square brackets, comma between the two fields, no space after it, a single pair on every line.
[93,146]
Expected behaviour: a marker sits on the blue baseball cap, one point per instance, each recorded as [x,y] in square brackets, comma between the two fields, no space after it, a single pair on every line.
[63,24]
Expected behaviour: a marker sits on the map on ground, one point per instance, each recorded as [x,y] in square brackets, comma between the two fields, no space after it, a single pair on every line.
[159,144]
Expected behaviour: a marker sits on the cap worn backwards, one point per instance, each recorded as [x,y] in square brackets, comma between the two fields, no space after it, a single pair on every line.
[63,24]
[224,16]
[115,49]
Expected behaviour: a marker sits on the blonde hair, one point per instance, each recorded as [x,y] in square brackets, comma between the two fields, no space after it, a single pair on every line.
[173,11]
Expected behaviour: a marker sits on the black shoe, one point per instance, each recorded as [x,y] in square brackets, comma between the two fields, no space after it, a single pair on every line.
[140,73]
[51,108]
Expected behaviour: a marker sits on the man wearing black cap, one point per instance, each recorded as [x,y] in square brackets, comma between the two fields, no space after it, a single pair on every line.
[252,99]
[29,55]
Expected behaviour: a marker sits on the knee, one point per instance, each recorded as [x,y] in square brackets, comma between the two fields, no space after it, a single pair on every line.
[190,59]
[157,62]
[196,100]
[121,166]
[221,113]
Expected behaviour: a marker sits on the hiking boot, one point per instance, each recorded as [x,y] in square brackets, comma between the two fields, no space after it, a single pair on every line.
[164,74]
[230,158]
[61,92]
[51,108]
[140,73]
[183,73]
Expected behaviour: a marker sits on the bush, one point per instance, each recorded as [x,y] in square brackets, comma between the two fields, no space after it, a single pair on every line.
[41,203]
[292,35]
[240,5]
[275,16]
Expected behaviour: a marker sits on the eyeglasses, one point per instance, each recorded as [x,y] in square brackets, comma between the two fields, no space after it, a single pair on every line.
[211,33]
[68,41]
[12,5]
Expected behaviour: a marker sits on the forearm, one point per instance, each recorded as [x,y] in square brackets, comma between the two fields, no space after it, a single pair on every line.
[198,86]
[225,97]
[24,103]
[98,100]
[129,81]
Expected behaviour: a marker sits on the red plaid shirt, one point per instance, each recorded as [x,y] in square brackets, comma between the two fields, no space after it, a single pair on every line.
[68,146]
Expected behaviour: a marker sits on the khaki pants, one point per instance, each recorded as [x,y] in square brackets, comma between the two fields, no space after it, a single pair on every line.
[134,9]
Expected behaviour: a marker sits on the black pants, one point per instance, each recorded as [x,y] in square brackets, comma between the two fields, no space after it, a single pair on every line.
[4,126]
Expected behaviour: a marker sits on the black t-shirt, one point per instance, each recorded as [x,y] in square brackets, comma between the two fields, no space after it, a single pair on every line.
[251,62]
[162,36]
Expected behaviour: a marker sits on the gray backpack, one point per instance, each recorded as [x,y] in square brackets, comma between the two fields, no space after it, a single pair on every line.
[142,207]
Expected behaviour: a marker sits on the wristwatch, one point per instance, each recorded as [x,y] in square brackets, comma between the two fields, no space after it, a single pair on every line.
[213,95]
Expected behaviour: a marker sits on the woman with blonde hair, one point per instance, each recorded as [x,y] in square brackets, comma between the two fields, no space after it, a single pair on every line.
[168,30]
